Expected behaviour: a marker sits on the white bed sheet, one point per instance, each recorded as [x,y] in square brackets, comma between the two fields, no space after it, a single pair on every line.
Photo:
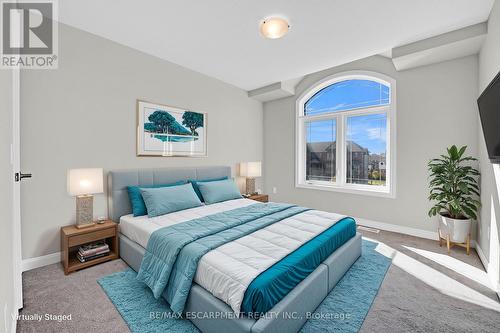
[228,270]
[140,228]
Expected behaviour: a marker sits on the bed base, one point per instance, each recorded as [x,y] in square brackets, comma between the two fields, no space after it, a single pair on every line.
[289,315]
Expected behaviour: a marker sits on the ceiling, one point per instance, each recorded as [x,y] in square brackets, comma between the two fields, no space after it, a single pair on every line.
[220,38]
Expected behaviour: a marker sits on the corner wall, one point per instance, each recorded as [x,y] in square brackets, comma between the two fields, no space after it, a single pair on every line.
[435,109]
[489,225]
[84,115]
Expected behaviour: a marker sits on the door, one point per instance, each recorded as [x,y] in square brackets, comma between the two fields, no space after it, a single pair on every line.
[16,191]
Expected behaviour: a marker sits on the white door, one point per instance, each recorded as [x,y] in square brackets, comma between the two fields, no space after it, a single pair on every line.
[16,176]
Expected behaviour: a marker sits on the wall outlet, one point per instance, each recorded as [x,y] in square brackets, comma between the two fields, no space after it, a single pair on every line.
[275,190]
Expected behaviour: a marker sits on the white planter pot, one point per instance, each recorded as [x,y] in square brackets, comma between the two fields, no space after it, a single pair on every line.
[457,229]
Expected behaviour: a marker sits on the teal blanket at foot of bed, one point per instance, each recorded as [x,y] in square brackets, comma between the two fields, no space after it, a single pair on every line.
[272,285]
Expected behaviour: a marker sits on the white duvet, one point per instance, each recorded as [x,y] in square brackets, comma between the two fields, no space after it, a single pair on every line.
[227,271]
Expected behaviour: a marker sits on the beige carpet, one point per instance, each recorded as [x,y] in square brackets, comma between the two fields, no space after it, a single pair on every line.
[425,290]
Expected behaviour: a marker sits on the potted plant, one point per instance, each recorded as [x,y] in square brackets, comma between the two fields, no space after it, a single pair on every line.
[454,188]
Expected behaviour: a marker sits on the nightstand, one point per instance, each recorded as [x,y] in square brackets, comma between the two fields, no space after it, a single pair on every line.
[72,238]
[259,197]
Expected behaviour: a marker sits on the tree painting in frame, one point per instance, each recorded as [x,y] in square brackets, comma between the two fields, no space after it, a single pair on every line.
[168,131]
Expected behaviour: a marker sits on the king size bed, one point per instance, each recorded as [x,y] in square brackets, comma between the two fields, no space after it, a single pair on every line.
[235,265]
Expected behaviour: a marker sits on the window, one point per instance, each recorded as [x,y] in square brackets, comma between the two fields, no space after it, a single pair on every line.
[346,135]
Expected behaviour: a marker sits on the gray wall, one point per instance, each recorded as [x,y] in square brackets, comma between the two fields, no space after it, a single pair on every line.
[489,226]
[84,115]
[435,109]
[6,277]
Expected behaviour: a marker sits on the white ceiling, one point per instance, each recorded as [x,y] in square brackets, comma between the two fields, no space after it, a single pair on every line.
[220,38]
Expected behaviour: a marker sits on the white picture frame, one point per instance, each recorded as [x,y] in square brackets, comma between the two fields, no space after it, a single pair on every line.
[166,131]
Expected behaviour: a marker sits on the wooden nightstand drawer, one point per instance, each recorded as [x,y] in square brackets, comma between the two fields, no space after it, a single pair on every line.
[91,237]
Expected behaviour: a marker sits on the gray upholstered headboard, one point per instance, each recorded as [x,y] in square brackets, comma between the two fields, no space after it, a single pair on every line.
[118,180]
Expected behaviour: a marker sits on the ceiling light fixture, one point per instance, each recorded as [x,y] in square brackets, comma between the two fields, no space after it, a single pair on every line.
[274,27]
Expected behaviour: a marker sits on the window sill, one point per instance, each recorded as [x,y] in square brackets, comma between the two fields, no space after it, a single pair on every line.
[333,188]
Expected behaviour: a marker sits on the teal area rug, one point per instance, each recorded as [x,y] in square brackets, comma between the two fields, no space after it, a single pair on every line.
[343,310]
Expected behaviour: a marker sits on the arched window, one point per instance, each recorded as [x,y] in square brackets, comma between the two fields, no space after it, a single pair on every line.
[346,134]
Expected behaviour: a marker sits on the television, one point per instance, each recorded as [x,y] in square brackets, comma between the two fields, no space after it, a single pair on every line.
[489,111]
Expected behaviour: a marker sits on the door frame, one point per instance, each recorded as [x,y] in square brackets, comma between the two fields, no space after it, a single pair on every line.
[16,189]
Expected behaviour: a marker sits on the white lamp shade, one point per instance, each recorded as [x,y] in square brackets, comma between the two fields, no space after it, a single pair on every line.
[250,169]
[85,181]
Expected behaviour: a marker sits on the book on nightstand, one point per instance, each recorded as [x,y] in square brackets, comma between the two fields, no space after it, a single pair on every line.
[92,251]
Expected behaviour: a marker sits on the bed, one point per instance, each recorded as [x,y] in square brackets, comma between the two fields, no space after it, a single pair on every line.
[238,275]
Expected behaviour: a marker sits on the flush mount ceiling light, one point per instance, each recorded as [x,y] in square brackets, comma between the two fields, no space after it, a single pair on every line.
[274,27]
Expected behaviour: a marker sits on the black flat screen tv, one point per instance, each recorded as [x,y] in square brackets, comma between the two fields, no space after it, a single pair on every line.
[489,111]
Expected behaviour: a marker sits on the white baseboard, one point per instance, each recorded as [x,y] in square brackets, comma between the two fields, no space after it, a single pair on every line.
[481,255]
[9,318]
[14,324]
[431,235]
[49,259]
[397,228]
[489,268]
[53,258]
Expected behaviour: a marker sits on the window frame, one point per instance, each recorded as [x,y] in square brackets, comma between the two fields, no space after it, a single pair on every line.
[388,191]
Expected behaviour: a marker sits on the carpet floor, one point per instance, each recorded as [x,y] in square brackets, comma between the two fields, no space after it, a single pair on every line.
[343,310]
[424,290]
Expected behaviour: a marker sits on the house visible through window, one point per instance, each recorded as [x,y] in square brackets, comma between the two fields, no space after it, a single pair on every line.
[345,130]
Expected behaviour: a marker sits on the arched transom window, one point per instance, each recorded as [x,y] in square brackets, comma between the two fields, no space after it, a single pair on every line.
[346,134]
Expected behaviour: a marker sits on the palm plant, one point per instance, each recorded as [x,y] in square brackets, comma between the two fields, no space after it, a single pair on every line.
[453,185]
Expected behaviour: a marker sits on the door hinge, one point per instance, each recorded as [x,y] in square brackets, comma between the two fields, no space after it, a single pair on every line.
[20,176]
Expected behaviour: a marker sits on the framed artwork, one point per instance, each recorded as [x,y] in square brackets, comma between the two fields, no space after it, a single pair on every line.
[168,131]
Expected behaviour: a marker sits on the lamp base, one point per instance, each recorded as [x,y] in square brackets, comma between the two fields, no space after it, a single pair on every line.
[250,188]
[84,211]
[81,226]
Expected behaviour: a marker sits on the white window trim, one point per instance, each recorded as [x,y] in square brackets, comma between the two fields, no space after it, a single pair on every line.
[388,191]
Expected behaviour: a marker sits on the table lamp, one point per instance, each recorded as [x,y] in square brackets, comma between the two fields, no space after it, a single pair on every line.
[83,183]
[250,170]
